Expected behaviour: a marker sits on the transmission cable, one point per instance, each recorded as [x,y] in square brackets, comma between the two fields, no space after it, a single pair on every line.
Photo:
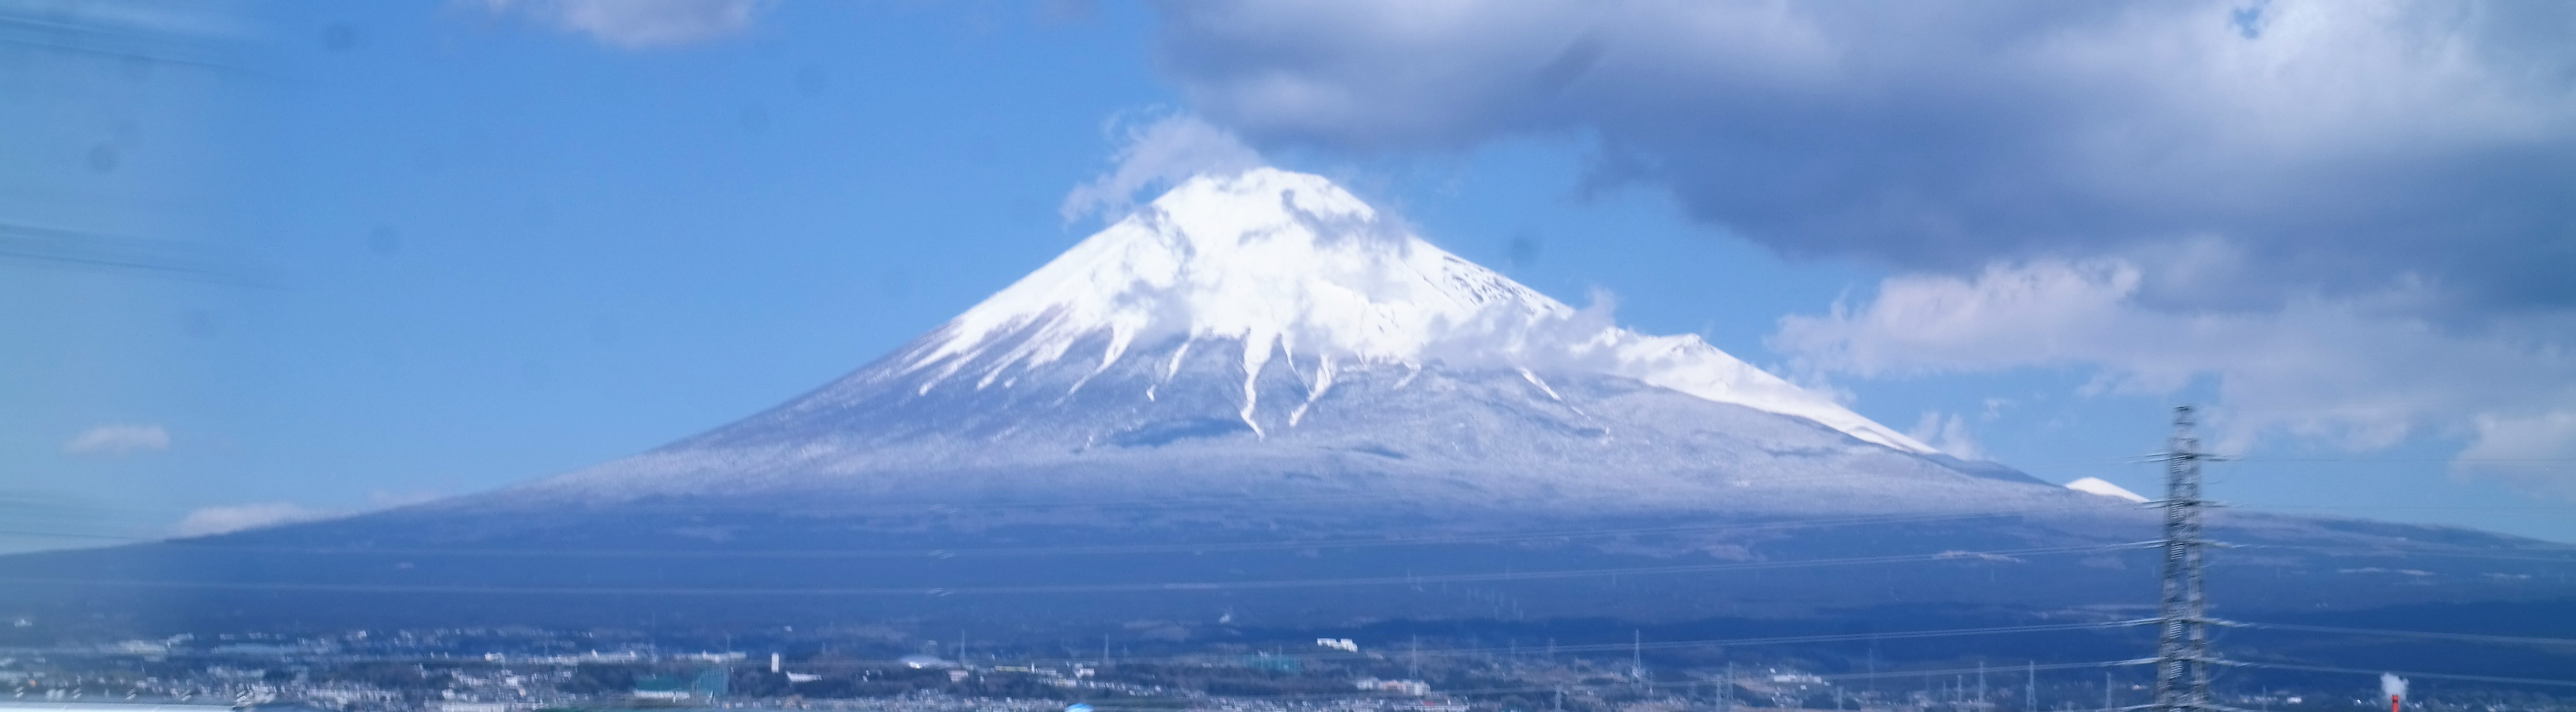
[1540,575]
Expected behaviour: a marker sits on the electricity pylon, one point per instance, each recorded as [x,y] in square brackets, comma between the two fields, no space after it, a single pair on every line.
[2182,646]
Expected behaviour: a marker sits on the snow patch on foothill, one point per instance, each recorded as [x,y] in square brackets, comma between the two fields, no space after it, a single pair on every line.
[2096,485]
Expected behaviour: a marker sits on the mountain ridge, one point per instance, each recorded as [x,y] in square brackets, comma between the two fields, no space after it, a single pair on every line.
[1285,305]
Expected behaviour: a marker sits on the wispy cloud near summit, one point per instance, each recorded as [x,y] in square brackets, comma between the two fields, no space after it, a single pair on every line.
[1158,153]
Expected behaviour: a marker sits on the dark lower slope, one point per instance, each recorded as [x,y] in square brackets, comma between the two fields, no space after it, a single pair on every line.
[724,566]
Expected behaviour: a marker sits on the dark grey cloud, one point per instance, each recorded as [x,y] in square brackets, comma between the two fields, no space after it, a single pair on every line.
[2357,218]
[2333,145]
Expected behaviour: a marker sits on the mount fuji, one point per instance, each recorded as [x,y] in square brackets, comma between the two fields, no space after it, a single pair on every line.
[1259,399]
[1268,334]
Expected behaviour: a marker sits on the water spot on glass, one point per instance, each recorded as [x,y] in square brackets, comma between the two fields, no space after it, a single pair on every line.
[199,323]
[138,68]
[384,240]
[539,212]
[1066,12]
[339,37]
[1524,250]
[896,284]
[429,159]
[104,158]
[811,79]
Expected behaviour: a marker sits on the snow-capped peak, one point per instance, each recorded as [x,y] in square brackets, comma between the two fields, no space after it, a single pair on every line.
[2096,485]
[1290,263]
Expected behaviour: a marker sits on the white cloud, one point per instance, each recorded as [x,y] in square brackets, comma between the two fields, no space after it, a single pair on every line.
[1160,153]
[118,439]
[207,521]
[2349,216]
[389,499]
[640,24]
[2341,140]
[2358,373]
[1949,433]
[2538,451]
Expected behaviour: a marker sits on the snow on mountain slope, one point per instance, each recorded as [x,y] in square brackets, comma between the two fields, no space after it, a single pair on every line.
[1268,335]
[1272,258]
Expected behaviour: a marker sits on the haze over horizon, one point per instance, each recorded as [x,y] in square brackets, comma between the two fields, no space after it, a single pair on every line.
[281,262]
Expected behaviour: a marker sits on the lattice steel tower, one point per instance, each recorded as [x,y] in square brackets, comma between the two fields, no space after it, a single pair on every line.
[2182,647]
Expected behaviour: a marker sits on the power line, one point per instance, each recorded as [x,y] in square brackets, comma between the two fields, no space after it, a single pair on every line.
[1627,685]
[2403,673]
[1822,638]
[2404,459]
[70,535]
[1599,647]
[1148,548]
[1117,549]
[1775,483]
[2423,507]
[2385,551]
[1660,645]
[946,507]
[1962,671]
[2399,552]
[1087,588]
[2431,635]
[2390,550]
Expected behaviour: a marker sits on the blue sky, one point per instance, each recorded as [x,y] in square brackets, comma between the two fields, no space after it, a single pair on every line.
[277,260]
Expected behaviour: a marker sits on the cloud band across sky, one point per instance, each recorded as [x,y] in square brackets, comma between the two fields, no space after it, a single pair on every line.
[2338,141]
[2343,371]
[2356,218]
